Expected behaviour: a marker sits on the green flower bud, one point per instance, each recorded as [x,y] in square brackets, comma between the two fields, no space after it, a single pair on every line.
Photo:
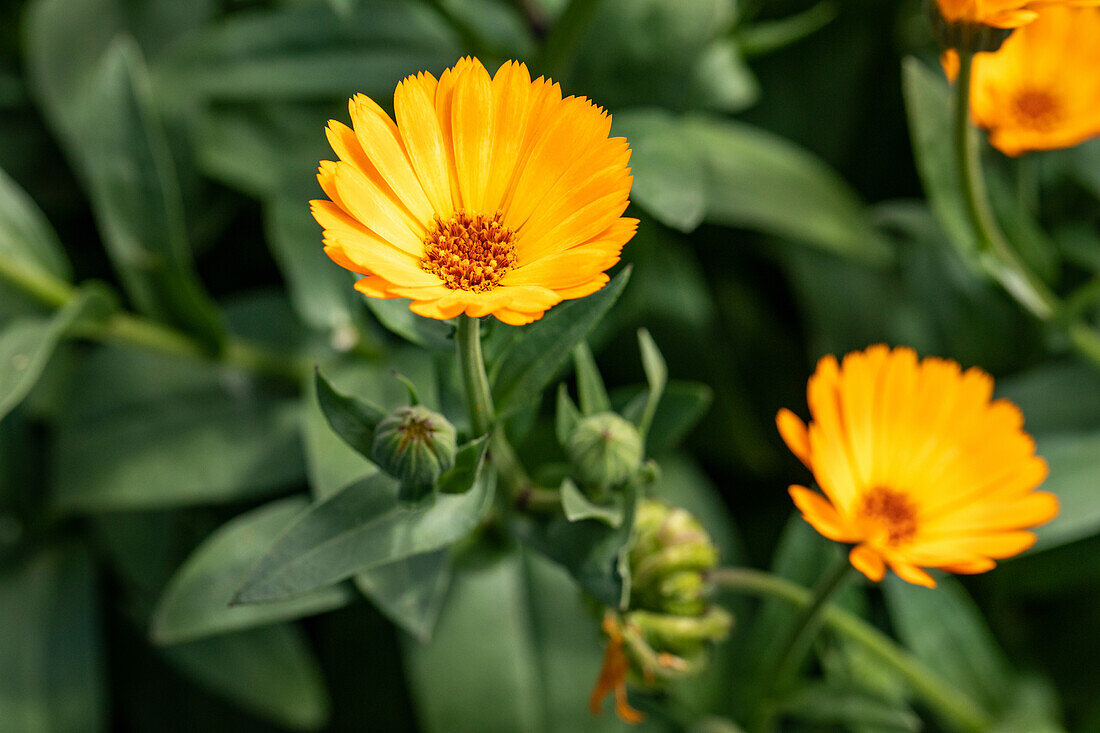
[414,445]
[671,552]
[605,449]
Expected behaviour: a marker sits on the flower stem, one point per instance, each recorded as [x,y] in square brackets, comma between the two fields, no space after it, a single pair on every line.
[479,400]
[132,330]
[1002,261]
[952,704]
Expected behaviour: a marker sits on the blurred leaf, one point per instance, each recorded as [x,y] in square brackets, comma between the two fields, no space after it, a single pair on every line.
[767,37]
[1034,708]
[533,360]
[461,476]
[1074,466]
[521,623]
[146,432]
[320,291]
[721,80]
[396,317]
[741,176]
[351,419]
[945,630]
[931,108]
[566,417]
[577,506]
[28,342]
[269,671]
[52,676]
[590,388]
[307,51]
[122,152]
[682,406]
[361,527]
[592,552]
[26,236]
[410,592]
[1056,397]
[196,602]
[824,704]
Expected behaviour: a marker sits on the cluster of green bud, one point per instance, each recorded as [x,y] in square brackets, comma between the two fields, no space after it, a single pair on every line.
[963,35]
[606,450]
[414,445]
[670,625]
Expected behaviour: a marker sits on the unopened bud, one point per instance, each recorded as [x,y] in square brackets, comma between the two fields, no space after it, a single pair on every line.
[414,445]
[671,552]
[605,449]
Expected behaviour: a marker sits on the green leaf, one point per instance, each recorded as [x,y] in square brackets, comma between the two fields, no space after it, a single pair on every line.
[146,431]
[578,507]
[359,528]
[468,463]
[767,37]
[590,387]
[741,176]
[683,405]
[826,704]
[566,417]
[1074,461]
[397,318]
[1034,708]
[351,419]
[28,342]
[656,375]
[945,630]
[319,289]
[410,592]
[930,108]
[123,155]
[533,360]
[521,623]
[309,52]
[25,234]
[269,671]
[1057,397]
[196,602]
[52,675]
[592,552]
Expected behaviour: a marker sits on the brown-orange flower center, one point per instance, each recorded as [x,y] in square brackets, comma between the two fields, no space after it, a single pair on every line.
[1037,109]
[469,251]
[893,511]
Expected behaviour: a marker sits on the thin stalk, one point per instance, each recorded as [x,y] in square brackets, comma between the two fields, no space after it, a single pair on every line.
[938,694]
[132,330]
[479,400]
[1003,262]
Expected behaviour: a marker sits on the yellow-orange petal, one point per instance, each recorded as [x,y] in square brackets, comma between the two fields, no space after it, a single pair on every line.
[868,562]
[794,434]
[821,514]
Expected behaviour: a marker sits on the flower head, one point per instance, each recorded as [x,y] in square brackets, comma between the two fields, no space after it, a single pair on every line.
[1001,13]
[1041,90]
[488,195]
[919,466]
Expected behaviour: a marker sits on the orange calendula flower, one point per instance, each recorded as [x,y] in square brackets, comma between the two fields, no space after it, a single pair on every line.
[1002,13]
[919,466]
[1041,90]
[488,195]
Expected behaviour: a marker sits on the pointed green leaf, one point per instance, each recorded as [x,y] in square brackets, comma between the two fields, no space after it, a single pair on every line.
[196,602]
[351,419]
[590,387]
[25,234]
[542,348]
[577,506]
[269,671]
[52,674]
[359,528]
[468,463]
[656,375]
[567,415]
[410,592]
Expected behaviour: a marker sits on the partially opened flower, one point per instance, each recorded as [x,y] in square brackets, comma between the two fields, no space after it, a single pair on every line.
[920,468]
[487,196]
[1001,13]
[1041,90]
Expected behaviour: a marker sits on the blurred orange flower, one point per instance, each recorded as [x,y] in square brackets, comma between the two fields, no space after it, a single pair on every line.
[487,196]
[1002,13]
[1041,90]
[919,467]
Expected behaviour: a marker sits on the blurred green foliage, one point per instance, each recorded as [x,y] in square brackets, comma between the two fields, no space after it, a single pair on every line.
[159,156]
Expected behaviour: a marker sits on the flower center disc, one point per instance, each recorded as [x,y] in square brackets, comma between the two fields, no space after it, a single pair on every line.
[469,252]
[1038,110]
[892,511]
